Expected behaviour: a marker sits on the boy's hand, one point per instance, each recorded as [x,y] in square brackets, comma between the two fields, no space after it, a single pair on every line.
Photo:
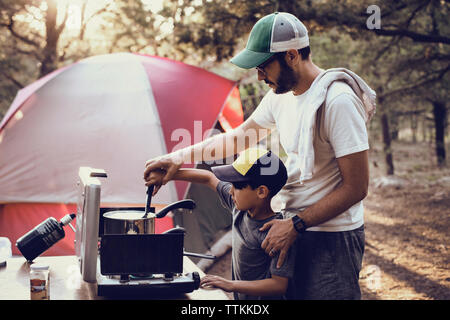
[218,282]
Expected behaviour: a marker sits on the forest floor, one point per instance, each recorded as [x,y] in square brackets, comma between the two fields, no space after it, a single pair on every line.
[407,223]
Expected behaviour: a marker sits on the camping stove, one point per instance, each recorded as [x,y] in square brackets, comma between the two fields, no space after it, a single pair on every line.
[125,263]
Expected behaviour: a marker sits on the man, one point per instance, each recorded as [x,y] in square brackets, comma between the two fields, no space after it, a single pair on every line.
[320,116]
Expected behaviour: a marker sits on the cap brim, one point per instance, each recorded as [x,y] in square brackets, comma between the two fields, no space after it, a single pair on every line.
[228,173]
[248,59]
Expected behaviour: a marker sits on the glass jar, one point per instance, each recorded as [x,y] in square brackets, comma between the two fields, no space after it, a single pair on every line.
[39,282]
[5,251]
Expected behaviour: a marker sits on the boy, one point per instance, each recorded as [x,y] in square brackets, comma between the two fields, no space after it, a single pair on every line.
[246,187]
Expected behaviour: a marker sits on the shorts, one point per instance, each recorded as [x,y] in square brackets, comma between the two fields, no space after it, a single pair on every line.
[327,265]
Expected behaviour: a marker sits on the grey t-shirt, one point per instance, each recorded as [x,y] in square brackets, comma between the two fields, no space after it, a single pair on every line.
[249,260]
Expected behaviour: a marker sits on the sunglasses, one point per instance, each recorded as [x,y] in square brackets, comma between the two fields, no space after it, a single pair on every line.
[261,67]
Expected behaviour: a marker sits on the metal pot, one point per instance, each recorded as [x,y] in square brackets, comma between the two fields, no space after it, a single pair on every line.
[128,221]
[139,221]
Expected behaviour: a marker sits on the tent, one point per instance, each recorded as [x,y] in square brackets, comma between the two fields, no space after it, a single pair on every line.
[112,112]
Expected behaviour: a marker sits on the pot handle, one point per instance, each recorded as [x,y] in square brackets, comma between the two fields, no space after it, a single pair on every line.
[183,204]
[199,255]
[175,230]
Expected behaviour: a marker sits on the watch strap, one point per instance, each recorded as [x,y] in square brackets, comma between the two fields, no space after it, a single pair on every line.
[299,224]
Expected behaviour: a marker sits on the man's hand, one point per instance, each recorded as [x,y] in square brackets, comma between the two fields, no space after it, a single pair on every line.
[160,170]
[155,178]
[279,238]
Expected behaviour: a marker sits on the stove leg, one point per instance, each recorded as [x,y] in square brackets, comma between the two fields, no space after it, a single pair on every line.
[168,276]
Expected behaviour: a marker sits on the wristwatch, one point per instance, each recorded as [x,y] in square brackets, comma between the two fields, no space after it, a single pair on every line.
[299,224]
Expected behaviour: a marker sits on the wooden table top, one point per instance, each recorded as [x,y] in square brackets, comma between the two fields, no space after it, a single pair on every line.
[66,282]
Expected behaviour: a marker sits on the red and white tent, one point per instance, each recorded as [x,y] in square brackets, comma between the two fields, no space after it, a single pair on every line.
[112,112]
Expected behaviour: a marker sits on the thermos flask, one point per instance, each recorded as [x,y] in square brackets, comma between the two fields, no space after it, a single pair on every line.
[43,236]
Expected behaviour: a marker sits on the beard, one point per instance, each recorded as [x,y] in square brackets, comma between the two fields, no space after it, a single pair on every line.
[287,79]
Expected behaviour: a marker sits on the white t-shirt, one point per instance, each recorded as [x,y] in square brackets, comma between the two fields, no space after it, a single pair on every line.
[340,131]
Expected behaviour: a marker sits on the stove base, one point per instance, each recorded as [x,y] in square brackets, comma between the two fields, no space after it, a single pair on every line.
[159,286]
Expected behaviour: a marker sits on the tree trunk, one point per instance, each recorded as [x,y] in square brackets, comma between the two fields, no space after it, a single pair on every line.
[386,133]
[414,127]
[394,127]
[440,119]
[49,53]
[387,144]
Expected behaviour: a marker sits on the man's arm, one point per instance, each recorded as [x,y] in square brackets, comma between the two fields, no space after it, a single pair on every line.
[354,169]
[265,287]
[215,148]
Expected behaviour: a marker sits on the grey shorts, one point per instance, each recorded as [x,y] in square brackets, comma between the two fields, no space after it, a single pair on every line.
[327,265]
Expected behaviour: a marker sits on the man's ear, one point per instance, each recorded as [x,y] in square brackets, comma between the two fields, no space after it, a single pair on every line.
[262,192]
[292,57]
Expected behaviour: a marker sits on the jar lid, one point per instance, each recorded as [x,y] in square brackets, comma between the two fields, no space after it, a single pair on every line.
[39,267]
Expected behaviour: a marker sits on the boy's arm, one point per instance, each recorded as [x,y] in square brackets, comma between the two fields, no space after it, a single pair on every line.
[202,176]
[192,175]
[265,287]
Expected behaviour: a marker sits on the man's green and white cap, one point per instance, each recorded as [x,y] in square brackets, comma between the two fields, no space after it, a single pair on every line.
[276,32]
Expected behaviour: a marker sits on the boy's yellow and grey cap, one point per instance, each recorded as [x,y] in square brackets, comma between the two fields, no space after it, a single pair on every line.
[276,32]
[254,164]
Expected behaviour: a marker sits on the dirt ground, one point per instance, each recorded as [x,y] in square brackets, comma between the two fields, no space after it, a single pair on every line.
[407,220]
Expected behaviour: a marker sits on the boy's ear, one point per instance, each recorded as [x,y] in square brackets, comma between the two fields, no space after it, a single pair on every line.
[262,192]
